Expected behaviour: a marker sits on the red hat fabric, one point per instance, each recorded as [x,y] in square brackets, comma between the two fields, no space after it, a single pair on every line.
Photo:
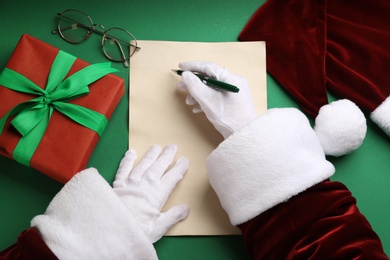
[341,46]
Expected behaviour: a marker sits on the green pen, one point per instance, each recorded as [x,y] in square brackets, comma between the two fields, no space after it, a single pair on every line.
[212,82]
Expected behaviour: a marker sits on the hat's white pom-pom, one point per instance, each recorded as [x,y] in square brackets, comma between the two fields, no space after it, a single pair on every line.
[340,127]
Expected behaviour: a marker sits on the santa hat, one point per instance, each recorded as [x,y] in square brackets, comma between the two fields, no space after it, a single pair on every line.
[340,46]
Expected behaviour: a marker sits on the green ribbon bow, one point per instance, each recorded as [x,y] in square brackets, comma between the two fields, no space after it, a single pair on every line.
[33,116]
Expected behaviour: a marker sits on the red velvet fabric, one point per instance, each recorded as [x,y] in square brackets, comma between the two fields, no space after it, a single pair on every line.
[322,222]
[30,246]
[315,45]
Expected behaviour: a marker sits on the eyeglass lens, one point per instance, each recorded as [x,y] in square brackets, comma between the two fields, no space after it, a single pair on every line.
[116,44]
[74,26]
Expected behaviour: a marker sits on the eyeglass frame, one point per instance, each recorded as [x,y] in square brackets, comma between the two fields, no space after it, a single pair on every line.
[91,29]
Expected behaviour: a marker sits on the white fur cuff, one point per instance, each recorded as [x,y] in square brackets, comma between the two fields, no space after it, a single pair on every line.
[267,162]
[86,220]
[381,116]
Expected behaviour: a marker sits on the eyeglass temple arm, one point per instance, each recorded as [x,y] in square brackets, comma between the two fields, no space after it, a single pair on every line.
[55,31]
[119,40]
[125,59]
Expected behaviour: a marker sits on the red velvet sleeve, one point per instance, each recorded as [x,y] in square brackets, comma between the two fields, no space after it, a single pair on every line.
[323,222]
[319,45]
[30,246]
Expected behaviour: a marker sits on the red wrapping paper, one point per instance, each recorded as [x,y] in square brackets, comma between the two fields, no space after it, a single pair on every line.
[66,146]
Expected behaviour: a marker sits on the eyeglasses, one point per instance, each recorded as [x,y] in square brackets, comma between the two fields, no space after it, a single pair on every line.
[118,44]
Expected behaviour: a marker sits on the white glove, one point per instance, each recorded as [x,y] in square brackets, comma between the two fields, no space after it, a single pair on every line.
[145,188]
[227,111]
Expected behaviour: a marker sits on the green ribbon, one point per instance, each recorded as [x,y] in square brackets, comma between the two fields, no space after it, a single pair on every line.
[33,116]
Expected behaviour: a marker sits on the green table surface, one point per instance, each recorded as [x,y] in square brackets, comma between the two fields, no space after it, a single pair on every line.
[24,192]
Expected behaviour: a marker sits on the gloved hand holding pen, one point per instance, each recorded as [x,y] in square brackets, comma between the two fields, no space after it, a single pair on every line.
[227,111]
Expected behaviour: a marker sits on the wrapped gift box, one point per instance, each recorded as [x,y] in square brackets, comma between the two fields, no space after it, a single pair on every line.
[66,146]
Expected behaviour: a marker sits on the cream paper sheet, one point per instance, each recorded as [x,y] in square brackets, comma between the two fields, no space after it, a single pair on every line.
[159,115]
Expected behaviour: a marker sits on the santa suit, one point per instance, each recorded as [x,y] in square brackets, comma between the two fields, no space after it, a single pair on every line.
[338,46]
[271,177]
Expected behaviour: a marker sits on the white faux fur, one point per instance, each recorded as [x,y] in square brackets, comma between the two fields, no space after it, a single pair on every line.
[86,220]
[267,162]
[341,127]
[381,116]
